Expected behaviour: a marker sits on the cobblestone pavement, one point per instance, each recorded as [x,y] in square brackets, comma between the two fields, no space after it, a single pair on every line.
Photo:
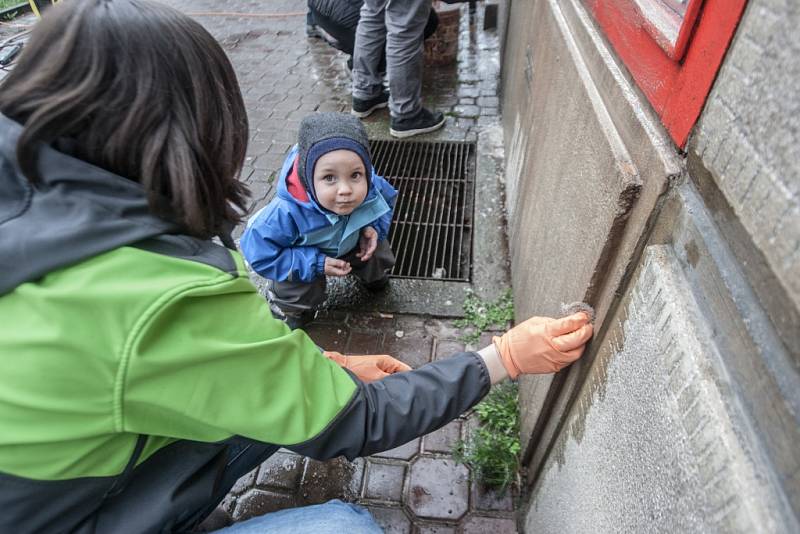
[284,76]
[416,487]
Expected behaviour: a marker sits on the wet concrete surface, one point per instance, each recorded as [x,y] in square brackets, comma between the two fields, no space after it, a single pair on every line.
[284,76]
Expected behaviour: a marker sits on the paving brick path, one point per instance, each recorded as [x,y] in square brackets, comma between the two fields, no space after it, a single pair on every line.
[416,488]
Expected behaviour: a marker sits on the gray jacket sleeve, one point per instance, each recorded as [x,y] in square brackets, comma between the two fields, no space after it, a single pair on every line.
[390,412]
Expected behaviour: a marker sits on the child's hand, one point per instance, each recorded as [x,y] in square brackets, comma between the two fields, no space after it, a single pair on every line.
[368,242]
[334,267]
[368,368]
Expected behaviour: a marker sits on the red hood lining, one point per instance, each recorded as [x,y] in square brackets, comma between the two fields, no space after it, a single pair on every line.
[294,185]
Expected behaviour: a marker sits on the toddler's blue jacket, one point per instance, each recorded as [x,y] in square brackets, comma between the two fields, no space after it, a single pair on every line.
[290,237]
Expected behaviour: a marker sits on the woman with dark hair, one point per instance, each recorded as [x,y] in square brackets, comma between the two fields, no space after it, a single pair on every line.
[339,19]
[141,373]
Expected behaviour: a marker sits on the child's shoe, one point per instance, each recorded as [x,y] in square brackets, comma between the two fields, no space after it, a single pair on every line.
[377,286]
[299,321]
[293,321]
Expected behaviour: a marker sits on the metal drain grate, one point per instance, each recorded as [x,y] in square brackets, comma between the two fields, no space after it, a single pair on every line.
[431,232]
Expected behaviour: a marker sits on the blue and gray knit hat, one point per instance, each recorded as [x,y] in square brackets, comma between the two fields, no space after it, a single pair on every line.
[321,133]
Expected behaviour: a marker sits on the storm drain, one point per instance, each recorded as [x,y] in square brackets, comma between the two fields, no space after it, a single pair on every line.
[431,232]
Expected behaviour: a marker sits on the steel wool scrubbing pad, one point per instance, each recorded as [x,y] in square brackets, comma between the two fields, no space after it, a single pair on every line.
[575,307]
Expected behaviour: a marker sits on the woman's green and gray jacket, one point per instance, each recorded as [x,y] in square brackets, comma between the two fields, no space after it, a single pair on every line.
[136,360]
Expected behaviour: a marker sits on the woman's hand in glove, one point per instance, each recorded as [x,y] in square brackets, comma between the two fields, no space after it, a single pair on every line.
[368,368]
[543,345]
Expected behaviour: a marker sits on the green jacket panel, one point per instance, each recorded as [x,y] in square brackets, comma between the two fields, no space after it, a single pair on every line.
[124,344]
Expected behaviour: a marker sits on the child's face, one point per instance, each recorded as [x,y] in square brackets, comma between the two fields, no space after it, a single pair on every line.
[340,181]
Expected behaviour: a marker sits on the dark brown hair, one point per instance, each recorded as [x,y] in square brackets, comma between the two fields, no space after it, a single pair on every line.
[140,90]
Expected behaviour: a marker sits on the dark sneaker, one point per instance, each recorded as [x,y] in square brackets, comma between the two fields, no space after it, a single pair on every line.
[423,122]
[377,285]
[299,321]
[293,321]
[312,31]
[364,108]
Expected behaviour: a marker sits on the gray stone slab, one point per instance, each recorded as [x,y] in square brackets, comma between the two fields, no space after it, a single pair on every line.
[488,525]
[447,347]
[486,499]
[442,440]
[403,452]
[385,481]
[413,347]
[245,483]
[435,529]
[259,502]
[654,441]
[391,520]
[750,145]
[281,470]
[333,479]
[438,488]
[355,485]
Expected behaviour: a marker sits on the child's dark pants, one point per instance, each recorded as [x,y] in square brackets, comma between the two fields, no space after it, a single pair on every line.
[294,298]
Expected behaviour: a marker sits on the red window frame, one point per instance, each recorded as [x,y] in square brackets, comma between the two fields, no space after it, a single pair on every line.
[675,75]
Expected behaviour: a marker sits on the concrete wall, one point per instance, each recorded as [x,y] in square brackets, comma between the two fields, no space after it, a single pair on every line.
[684,413]
[748,139]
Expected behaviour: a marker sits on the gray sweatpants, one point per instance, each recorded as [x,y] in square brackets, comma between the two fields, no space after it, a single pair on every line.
[397,25]
[293,298]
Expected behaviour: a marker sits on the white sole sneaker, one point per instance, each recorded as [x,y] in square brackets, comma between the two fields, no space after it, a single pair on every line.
[367,113]
[400,134]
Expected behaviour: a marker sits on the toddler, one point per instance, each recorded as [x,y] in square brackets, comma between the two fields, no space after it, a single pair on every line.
[330,216]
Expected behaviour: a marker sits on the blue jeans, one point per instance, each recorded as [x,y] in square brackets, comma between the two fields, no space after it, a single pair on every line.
[333,517]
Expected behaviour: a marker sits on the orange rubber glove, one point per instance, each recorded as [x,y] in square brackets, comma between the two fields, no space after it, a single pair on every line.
[543,345]
[368,368]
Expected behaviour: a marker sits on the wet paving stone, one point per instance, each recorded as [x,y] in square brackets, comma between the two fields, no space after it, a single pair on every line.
[281,470]
[259,502]
[403,452]
[323,481]
[364,342]
[442,440]
[486,525]
[328,336]
[447,348]
[468,111]
[436,529]
[413,348]
[491,500]
[245,483]
[391,520]
[385,481]
[438,488]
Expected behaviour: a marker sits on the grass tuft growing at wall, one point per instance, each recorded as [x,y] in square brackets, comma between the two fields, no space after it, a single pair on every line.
[492,450]
[481,315]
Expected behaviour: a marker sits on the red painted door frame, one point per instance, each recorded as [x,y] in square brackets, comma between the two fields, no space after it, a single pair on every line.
[677,90]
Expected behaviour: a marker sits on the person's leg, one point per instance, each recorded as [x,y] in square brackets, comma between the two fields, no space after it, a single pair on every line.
[405,22]
[311,27]
[344,35]
[333,517]
[297,301]
[369,44]
[243,456]
[375,271]
[431,25]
